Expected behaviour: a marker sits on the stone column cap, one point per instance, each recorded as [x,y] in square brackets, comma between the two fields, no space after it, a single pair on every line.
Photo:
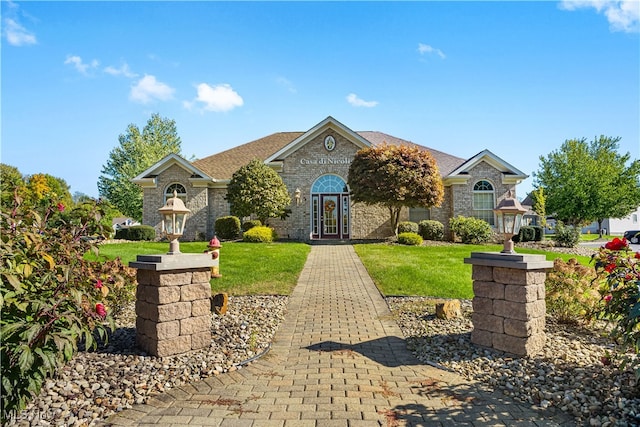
[172,262]
[517,261]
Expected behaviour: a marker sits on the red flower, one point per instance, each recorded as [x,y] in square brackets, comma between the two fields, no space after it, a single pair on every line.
[98,284]
[610,267]
[617,244]
[60,207]
[607,298]
[100,310]
[637,255]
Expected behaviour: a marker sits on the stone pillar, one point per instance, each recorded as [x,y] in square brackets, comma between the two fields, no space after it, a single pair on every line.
[173,307]
[509,301]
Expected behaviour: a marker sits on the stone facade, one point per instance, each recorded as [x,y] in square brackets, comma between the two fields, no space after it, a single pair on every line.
[300,164]
[509,302]
[173,307]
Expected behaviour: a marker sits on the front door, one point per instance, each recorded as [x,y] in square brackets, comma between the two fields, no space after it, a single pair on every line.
[329,216]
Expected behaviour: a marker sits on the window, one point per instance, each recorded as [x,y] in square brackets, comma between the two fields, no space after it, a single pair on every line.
[181,192]
[329,184]
[484,201]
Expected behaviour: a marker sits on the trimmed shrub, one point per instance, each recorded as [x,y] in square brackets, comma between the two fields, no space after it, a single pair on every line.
[407,227]
[526,234]
[566,236]
[137,233]
[430,229]
[571,293]
[470,230]
[227,227]
[412,239]
[539,233]
[260,234]
[248,225]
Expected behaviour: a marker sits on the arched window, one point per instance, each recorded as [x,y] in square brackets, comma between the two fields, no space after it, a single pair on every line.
[329,184]
[484,201]
[181,192]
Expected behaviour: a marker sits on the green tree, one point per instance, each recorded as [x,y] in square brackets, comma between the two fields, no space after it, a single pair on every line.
[589,181]
[395,177]
[257,189]
[540,205]
[137,152]
[11,180]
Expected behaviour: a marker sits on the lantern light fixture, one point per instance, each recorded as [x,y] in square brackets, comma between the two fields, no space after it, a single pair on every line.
[297,196]
[174,216]
[509,214]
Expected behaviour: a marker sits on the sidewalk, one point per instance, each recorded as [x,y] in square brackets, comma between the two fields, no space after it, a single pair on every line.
[338,359]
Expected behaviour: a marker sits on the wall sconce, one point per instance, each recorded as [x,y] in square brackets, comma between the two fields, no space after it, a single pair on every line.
[297,194]
[509,213]
[174,216]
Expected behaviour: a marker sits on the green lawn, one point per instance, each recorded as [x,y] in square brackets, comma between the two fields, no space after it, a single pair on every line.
[273,269]
[437,271]
[246,268]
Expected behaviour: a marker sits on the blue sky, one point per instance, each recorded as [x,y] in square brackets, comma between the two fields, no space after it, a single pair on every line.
[517,78]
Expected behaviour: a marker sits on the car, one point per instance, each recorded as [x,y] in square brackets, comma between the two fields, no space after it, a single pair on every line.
[632,235]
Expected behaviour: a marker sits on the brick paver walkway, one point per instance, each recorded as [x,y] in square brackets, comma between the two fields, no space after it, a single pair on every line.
[338,359]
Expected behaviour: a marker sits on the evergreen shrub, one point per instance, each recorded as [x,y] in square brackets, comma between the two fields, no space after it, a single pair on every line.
[430,229]
[471,230]
[227,227]
[407,227]
[412,239]
[260,234]
[566,236]
[137,233]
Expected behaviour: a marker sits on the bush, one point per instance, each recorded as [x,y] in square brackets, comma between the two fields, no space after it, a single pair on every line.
[51,297]
[137,233]
[407,227]
[412,239]
[618,269]
[248,225]
[431,230]
[470,230]
[566,236]
[260,234]
[228,227]
[539,233]
[526,234]
[571,294]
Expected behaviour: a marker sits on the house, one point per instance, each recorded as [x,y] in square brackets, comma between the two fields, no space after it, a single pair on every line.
[314,166]
[123,222]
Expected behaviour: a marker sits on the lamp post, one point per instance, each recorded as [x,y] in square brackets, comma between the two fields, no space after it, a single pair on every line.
[509,214]
[174,215]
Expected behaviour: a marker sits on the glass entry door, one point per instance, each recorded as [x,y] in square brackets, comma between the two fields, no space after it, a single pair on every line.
[329,216]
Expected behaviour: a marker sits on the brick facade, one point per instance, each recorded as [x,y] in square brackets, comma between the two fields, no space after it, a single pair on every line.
[300,166]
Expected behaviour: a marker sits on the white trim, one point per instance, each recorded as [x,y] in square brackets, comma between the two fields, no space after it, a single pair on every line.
[511,174]
[147,179]
[302,140]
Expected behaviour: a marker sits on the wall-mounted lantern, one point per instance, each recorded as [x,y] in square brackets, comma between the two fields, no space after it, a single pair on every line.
[174,216]
[509,214]
[297,195]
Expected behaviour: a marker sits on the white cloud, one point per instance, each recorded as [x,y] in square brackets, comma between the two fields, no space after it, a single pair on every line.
[353,99]
[217,98]
[16,34]
[623,15]
[79,65]
[286,83]
[124,70]
[148,88]
[425,48]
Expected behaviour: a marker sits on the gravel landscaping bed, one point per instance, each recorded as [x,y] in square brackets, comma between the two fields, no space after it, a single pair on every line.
[569,374]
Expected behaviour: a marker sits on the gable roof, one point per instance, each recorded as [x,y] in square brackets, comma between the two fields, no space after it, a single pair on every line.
[272,149]
[224,164]
[148,177]
[510,174]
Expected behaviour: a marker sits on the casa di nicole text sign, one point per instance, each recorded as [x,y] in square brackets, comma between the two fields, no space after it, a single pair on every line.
[327,161]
